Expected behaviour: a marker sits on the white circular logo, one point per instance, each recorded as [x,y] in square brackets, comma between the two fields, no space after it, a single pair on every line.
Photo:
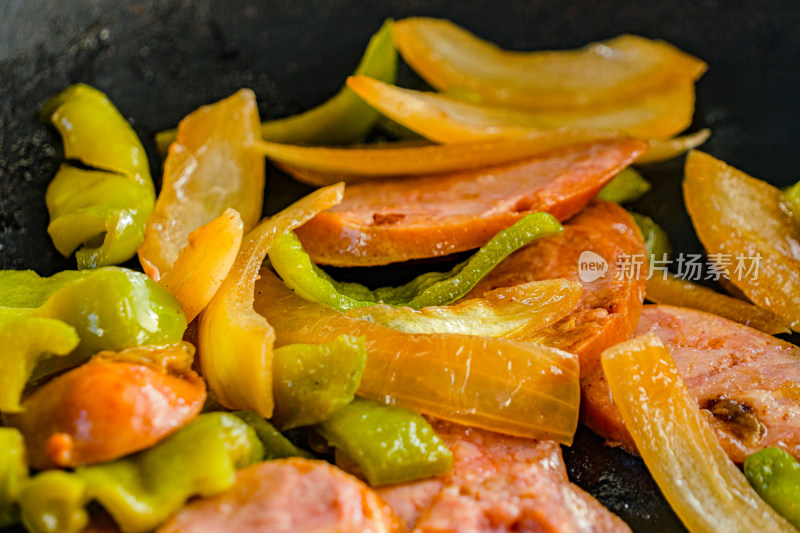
[591,266]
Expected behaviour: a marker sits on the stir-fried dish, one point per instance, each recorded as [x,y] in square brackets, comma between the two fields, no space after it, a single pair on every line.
[235,384]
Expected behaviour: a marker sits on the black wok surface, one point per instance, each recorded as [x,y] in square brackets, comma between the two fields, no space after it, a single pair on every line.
[159,60]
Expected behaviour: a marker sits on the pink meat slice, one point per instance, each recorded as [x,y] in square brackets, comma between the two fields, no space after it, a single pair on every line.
[288,496]
[746,382]
[499,484]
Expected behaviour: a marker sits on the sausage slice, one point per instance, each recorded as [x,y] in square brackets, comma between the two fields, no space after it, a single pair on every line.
[419,217]
[498,484]
[746,382]
[288,496]
[609,306]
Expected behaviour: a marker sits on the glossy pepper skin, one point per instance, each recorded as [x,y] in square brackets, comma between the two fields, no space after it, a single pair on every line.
[26,341]
[433,288]
[13,472]
[112,308]
[313,381]
[656,240]
[519,312]
[791,198]
[75,314]
[143,490]
[276,446]
[627,186]
[104,210]
[26,289]
[776,477]
[389,444]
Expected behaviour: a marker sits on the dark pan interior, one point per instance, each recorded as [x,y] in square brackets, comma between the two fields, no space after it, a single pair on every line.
[159,60]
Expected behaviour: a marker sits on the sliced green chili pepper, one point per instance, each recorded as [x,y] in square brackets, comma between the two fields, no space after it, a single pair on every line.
[791,196]
[94,132]
[389,444]
[25,288]
[104,210]
[627,186]
[26,341]
[143,490]
[656,240]
[344,118]
[276,446]
[75,314]
[313,381]
[53,502]
[112,308]
[13,473]
[292,263]
[775,475]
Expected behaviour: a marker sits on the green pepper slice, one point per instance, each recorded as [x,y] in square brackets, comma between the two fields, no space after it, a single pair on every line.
[293,264]
[344,118]
[112,308]
[94,132]
[26,289]
[26,341]
[791,197]
[276,446]
[656,241]
[53,502]
[313,381]
[75,314]
[627,186]
[775,475]
[143,490]
[388,444]
[104,210]
[13,473]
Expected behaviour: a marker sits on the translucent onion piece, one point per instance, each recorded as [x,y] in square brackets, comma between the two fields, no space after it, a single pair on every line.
[204,262]
[211,167]
[703,486]
[235,343]
[671,148]
[451,58]
[442,118]
[497,384]
[316,165]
